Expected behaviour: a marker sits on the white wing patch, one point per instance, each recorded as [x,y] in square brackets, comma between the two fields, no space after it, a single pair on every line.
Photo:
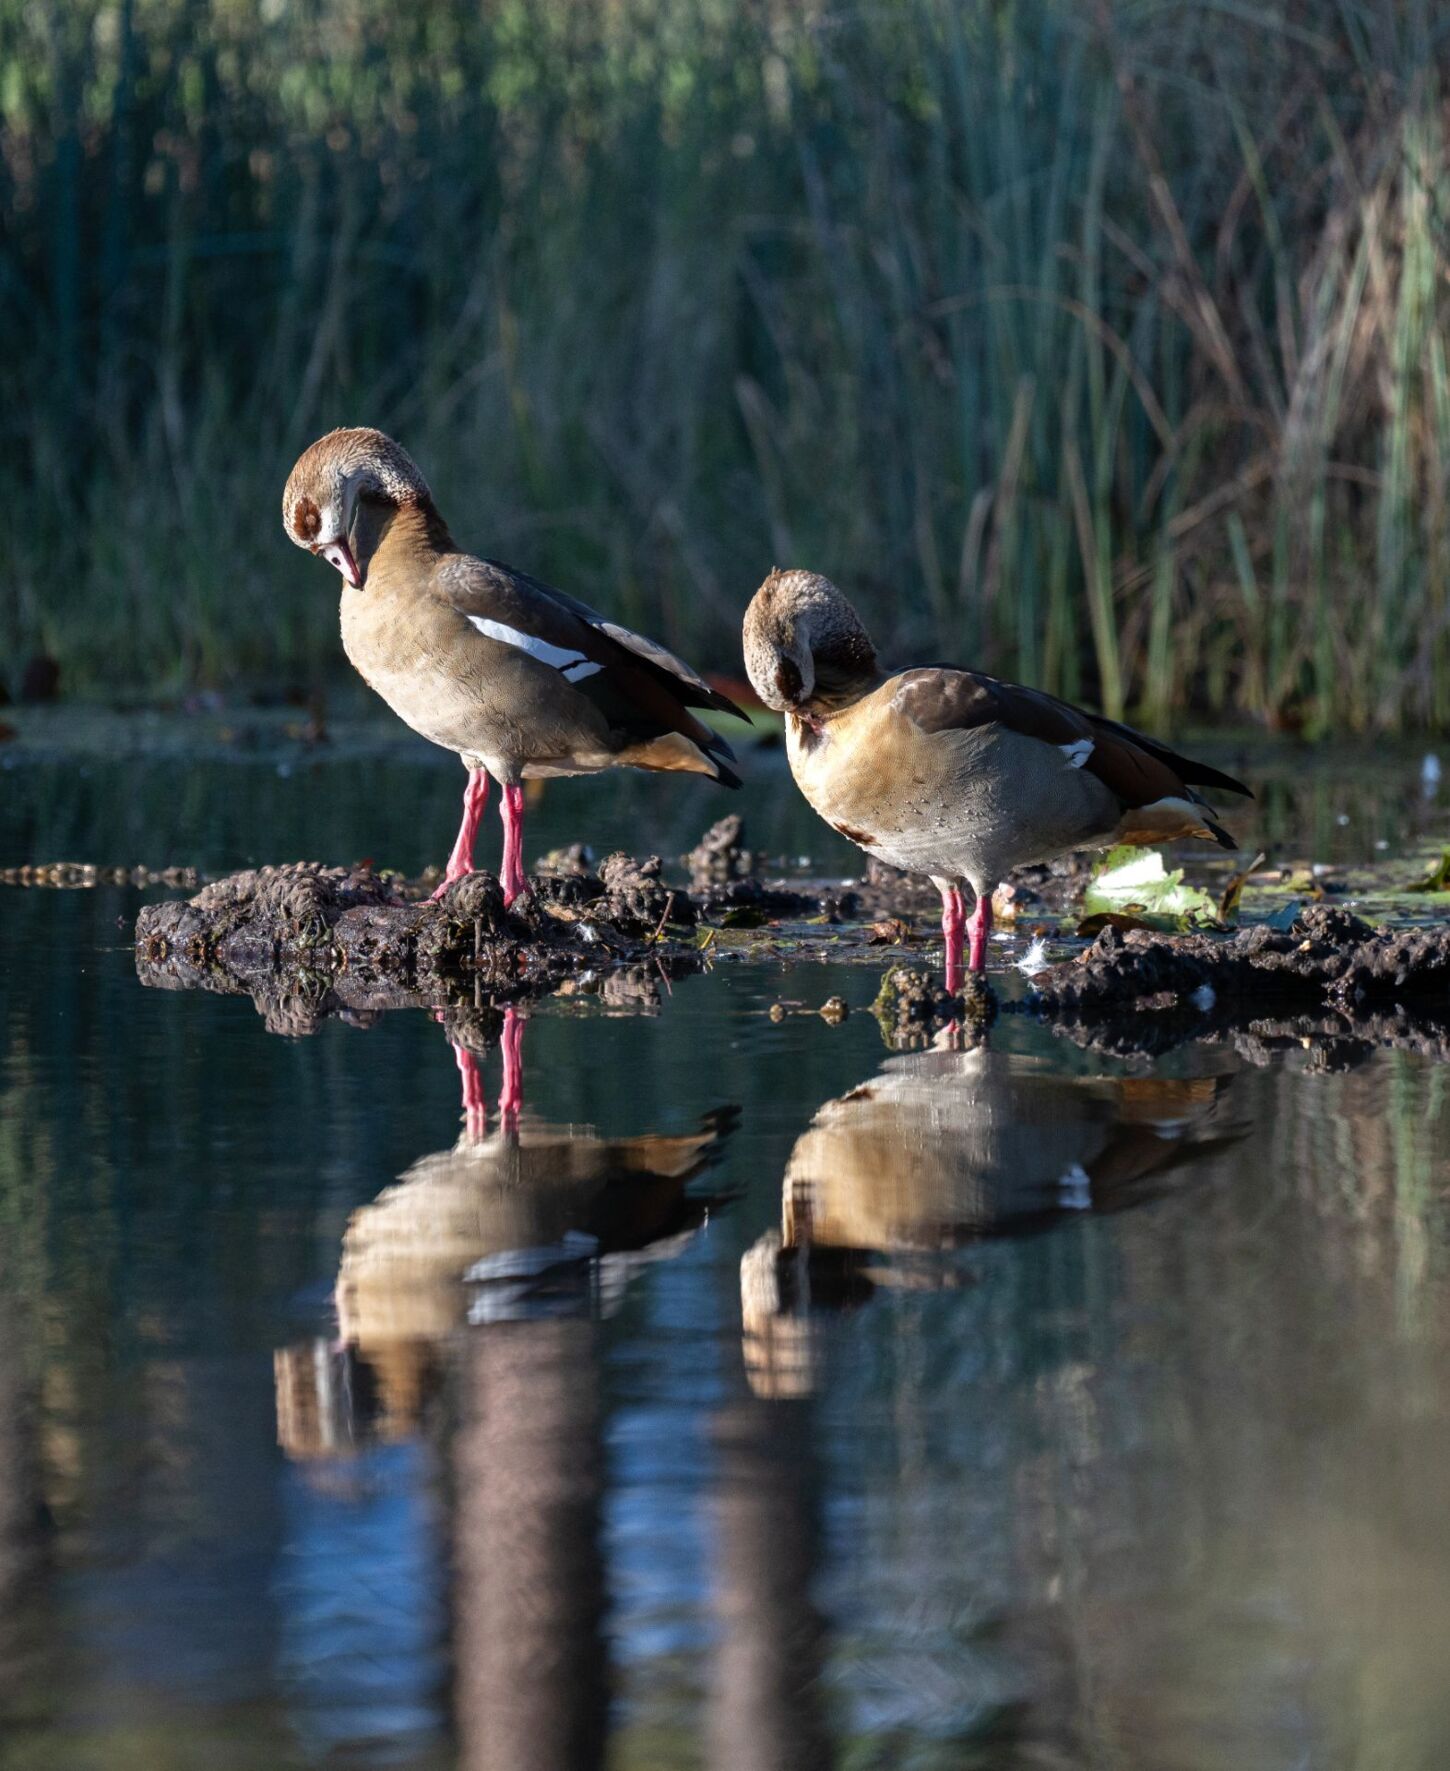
[1078,751]
[652,650]
[574,666]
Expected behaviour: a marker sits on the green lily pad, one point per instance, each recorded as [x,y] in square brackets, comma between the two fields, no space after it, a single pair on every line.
[1134,882]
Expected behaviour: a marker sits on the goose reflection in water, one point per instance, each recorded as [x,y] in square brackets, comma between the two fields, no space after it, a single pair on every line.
[520,1219]
[479,1277]
[948,1147]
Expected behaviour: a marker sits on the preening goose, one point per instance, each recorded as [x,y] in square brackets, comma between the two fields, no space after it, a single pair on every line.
[953,773]
[518,678]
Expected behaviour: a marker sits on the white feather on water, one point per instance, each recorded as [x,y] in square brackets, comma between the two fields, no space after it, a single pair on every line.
[1034,960]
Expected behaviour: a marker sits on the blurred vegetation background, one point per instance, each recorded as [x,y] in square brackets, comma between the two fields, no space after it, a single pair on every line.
[1103,344]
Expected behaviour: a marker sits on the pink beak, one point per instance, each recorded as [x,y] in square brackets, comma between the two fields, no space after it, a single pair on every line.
[338,553]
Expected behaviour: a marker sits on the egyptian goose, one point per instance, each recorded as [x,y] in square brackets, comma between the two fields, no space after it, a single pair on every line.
[951,772]
[520,679]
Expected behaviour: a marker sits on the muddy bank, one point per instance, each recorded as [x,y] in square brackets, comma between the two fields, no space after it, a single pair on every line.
[305,941]
[1325,956]
[1328,981]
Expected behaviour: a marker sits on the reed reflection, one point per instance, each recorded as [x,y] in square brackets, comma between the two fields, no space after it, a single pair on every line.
[947,1147]
[531,1684]
[22,1531]
[765,1705]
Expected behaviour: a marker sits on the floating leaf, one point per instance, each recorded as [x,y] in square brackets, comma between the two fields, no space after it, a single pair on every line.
[1135,882]
[1437,879]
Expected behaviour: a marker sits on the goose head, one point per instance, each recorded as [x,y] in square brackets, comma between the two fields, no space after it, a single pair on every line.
[339,489]
[806,652]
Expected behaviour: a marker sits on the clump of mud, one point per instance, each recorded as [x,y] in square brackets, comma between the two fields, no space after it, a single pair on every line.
[725,877]
[307,941]
[1327,956]
[720,856]
[1329,983]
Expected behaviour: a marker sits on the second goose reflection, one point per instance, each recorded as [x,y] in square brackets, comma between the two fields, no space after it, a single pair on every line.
[948,1147]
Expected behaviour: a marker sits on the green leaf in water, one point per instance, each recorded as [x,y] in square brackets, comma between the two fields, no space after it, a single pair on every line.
[1135,882]
[1437,879]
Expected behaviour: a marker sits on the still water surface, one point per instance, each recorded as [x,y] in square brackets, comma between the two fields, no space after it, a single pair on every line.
[765,1399]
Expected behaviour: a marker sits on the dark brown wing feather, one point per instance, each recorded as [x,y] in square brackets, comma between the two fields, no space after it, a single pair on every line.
[1135,768]
[635,692]
[1196,774]
[642,652]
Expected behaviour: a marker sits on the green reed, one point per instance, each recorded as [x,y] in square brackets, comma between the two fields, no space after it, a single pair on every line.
[1104,346]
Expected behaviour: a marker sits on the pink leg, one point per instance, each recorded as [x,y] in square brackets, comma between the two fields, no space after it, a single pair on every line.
[953,919]
[475,1107]
[515,880]
[979,928]
[511,1089]
[460,862]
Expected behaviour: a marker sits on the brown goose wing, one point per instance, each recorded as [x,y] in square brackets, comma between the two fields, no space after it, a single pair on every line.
[526,595]
[1138,771]
[640,690]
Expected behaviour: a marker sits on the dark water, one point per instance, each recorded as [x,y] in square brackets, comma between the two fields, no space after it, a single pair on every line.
[806,1405]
